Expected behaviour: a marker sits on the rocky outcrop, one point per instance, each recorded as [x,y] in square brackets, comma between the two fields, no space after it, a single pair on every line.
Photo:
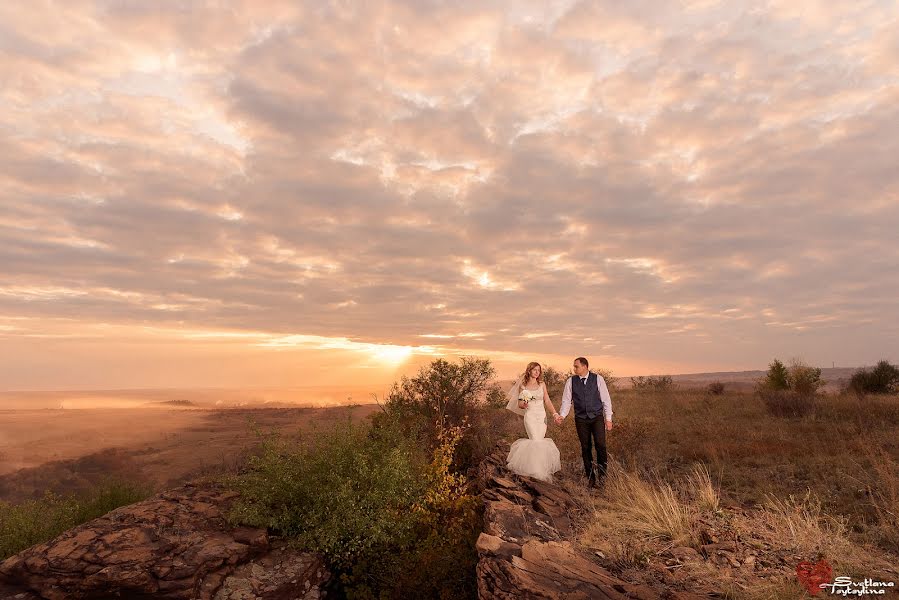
[175,545]
[524,550]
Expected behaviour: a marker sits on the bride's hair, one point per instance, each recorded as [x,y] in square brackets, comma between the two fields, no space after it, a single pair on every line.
[527,372]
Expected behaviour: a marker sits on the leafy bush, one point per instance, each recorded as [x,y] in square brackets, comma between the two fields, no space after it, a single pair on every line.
[495,397]
[798,377]
[803,379]
[660,383]
[36,521]
[790,392]
[373,501]
[342,492]
[882,379]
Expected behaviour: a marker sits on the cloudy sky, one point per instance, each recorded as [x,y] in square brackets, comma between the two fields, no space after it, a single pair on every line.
[267,193]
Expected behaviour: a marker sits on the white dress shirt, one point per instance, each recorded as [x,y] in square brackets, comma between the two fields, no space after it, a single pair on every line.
[603,396]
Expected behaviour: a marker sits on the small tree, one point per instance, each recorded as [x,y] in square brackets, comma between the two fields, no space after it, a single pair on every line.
[611,380]
[443,393]
[553,378]
[777,377]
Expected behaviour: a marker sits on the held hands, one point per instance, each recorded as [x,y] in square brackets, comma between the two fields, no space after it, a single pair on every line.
[558,419]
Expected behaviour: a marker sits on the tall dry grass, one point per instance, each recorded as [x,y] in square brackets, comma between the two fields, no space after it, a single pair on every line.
[801,523]
[650,508]
[705,492]
[882,490]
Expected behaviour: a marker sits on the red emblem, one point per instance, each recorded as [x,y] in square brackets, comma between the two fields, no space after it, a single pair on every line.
[812,575]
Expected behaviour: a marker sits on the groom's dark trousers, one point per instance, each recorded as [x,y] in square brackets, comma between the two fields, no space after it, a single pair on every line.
[592,432]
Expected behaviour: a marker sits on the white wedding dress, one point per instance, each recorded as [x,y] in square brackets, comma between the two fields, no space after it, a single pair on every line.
[536,455]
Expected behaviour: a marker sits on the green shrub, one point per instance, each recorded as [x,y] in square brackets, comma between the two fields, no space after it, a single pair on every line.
[373,501]
[882,379]
[36,521]
[342,492]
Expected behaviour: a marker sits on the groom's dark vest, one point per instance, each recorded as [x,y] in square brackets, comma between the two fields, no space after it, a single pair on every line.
[585,397]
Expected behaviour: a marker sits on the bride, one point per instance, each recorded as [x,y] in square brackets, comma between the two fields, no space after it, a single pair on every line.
[535,456]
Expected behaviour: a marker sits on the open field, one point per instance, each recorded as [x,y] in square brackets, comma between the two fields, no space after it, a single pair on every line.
[70,450]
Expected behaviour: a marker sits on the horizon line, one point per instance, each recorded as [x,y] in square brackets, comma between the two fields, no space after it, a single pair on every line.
[332,387]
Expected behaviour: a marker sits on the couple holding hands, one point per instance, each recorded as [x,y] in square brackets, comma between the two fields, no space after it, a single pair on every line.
[537,455]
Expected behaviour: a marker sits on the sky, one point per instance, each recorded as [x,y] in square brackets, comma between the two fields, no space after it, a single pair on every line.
[215,194]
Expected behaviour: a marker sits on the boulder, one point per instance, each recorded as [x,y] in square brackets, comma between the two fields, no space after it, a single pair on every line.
[175,545]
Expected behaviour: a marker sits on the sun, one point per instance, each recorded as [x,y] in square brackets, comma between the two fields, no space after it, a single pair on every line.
[393,355]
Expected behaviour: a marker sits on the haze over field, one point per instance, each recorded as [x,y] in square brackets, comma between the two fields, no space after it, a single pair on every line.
[290,194]
[191,398]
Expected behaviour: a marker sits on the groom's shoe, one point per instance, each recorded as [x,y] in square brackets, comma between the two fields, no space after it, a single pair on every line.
[591,481]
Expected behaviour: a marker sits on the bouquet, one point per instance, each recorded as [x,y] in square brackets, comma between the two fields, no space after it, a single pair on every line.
[525,398]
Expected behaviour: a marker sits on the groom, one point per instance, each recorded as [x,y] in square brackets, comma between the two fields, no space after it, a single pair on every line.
[591,403]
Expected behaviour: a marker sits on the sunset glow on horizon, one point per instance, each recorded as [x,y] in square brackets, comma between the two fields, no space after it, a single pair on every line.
[287,194]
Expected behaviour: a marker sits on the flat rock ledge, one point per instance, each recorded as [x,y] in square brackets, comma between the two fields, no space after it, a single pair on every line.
[175,545]
[524,551]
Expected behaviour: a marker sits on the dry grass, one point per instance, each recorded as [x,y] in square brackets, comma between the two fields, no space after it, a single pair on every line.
[652,509]
[883,491]
[800,524]
[626,555]
[705,492]
[782,587]
[784,403]
[684,463]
